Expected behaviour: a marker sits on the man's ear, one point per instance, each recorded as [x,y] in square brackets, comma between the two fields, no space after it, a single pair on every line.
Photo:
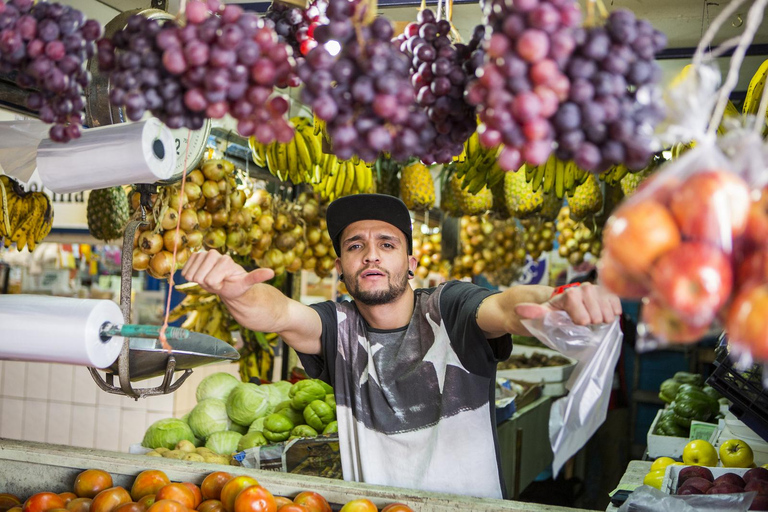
[412,263]
[338,265]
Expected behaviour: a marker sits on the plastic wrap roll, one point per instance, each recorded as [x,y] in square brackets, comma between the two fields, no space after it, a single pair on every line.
[58,330]
[104,157]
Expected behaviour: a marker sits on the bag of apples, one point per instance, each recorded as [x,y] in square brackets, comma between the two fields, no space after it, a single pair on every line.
[692,243]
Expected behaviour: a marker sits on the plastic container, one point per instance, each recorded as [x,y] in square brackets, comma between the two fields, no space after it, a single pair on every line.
[669,484]
[664,446]
[553,377]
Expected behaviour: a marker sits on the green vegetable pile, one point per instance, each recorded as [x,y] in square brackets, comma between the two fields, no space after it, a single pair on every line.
[232,416]
[688,399]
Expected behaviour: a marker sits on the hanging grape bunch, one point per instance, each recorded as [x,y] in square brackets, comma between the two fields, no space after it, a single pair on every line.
[522,81]
[47,46]
[225,62]
[363,93]
[439,78]
[614,102]
[296,27]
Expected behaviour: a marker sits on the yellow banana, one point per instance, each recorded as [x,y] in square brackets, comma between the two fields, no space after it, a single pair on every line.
[549,174]
[304,156]
[559,180]
[282,157]
[360,179]
[755,89]
[341,179]
[349,182]
[569,175]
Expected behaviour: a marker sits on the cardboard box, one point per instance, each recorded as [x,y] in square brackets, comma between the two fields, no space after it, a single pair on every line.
[664,446]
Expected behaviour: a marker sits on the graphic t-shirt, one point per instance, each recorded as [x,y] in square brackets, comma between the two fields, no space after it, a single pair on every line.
[415,406]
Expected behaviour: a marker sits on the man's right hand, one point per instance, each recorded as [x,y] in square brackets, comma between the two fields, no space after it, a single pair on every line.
[219,274]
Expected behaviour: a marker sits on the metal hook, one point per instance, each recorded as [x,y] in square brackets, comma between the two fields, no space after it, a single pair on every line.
[739,21]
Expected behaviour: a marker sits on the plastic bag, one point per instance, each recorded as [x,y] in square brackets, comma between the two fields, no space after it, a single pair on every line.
[18,147]
[648,499]
[575,418]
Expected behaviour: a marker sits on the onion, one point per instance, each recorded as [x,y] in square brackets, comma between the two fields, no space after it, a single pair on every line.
[313,235]
[169,219]
[289,257]
[135,241]
[300,247]
[150,243]
[255,233]
[214,204]
[264,242]
[256,253]
[320,250]
[235,239]
[135,200]
[298,231]
[295,266]
[193,192]
[213,170]
[171,241]
[325,238]
[323,225]
[140,260]
[282,223]
[176,199]
[266,222]
[327,263]
[182,257]
[189,220]
[200,203]
[194,239]
[160,265]
[310,211]
[215,238]
[223,185]
[210,189]
[196,177]
[309,263]
[255,210]
[220,218]
[239,219]
[262,198]
[274,258]
[237,199]
[285,241]
[204,219]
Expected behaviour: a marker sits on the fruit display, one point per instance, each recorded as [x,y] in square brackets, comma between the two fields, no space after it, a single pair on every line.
[555,177]
[205,313]
[587,199]
[386,174]
[523,201]
[701,480]
[222,61]
[486,245]
[687,400]
[417,189]
[299,160]
[478,167]
[427,251]
[296,26]
[46,47]
[26,218]
[468,201]
[343,177]
[575,239]
[257,355]
[108,212]
[538,237]
[319,256]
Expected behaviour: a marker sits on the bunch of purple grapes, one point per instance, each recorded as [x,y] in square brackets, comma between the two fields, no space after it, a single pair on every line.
[364,93]
[47,46]
[521,83]
[296,26]
[227,63]
[614,102]
[439,78]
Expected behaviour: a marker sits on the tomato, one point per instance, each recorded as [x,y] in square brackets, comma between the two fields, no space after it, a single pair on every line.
[167,506]
[255,499]
[91,482]
[66,496]
[109,499]
[147,500]
[361,505]
[281,501]
[79,505]
[8,501]
[15,509]
[397,507]
[210,506]
[130,507]
[195,491]
[232,488]
[212,484]
[148,482]
[176,492]
[313,501]
[43,501]
[293,507]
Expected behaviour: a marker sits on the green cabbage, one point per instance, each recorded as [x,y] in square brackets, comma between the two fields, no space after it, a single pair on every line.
[247,402]
[223,442]
[258,425]
[217,385]
[251,440]
[166,433]
[284,386]
[209,416]
[274,394]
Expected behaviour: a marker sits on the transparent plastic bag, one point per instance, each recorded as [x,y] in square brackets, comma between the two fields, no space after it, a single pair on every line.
[18,147]
[576,417]
[648,499]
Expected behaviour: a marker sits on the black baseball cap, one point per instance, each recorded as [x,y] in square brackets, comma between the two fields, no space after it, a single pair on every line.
[348,209]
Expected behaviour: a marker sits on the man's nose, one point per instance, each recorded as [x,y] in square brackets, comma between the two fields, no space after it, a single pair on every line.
[371,254]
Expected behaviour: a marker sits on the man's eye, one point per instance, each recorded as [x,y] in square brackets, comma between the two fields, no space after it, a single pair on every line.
[354,246]
[388,245]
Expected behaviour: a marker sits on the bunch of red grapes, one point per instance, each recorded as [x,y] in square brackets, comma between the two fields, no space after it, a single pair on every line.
[522,82]
[223,61]
[47,45]
[614,102]
[363,90]
[296,26]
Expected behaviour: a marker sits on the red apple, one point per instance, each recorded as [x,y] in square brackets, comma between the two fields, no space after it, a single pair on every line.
[752,267]
[758,473]
[687,490]
[694,279]
[730,478]
[759,486]
[696,482]
[712,206]
[638,234]
[747,320]
[725,489]
[757,220]
[617,280]
[667,324]
[759,503]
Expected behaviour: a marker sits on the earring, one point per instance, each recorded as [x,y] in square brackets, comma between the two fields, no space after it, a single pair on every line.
[341,277]
[410,273]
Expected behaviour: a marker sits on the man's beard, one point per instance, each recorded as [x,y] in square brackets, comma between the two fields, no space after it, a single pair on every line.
[378,297]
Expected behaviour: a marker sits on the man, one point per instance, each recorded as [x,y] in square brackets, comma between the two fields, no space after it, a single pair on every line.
[413,371]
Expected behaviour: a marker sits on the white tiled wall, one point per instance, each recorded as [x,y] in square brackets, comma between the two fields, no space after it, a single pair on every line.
[61,404]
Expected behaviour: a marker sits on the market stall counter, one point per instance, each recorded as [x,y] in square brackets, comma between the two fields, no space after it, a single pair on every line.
[27,468]
[632,478]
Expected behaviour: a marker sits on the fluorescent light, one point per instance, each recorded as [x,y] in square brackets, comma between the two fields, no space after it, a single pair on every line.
[333,47]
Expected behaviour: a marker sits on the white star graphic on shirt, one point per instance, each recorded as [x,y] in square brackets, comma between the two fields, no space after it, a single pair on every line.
[370,368]
[441,353]
[340,317]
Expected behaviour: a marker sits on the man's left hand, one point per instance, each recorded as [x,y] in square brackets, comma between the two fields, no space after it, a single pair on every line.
[586,304]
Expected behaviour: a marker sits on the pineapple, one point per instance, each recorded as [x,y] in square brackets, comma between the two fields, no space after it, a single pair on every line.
[499,208]
[471,204]
[522,202]
[449,203]
[632,180]
[551,206]
[416,187]
[587,200]
[107,213]
[386,172]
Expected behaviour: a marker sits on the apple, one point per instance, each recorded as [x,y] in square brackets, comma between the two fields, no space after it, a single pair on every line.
[752,268]
[759,503]
[617,280]
[701,484]
[759,486]
[654,478]
[700,453]
[735,453]
[662,463]
[760,473]
[695,279]
[725,489]
[359,505]
[757,219]
[687,490]
[747,319]
[712,206]
[667,324]
[729,478]
[694,471]
[638,234]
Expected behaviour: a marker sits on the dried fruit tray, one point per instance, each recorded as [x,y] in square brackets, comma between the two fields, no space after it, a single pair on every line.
[541,374]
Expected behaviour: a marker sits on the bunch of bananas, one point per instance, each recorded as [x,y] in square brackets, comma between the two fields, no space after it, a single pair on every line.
[755,91]
[298,160]
[25,217]
[257,356]
[556,175]
[205,313]
[478,169]
[343,178]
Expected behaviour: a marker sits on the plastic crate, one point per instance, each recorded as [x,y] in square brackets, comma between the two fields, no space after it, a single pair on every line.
[744,390]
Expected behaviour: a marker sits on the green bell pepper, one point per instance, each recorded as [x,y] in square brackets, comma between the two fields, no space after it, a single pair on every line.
[668,390]
[277,428]
[318,414]
[689,378]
